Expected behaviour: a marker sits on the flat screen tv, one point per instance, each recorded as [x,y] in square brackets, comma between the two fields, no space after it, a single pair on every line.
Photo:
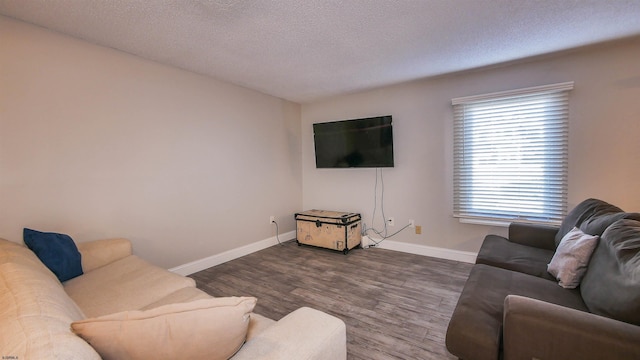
[357,143]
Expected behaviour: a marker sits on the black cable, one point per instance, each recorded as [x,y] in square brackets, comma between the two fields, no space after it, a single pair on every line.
[375,202]
[379,233]
[385,233]
[277,232]
[375,205]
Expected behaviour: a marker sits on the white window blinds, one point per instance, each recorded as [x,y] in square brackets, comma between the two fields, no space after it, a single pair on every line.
[510,155]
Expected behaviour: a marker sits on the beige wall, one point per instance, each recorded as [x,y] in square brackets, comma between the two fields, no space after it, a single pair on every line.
[604,141]
[97,143]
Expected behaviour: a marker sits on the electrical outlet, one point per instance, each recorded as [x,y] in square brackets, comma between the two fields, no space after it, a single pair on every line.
[418,229]
[272,219]
[391,221]
[412,223]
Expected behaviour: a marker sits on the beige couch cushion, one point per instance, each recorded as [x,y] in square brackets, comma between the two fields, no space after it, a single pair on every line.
[125,284]
[15,253]
[35,312]
[186,294]
[303,334]
[99,253]
[257,324]
[213,328]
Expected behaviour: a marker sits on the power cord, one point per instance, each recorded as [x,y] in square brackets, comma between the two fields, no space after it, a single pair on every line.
[384,234]
[277,232]
[375,203]
[379,233]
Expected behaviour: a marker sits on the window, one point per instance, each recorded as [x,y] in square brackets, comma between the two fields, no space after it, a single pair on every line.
[510,155]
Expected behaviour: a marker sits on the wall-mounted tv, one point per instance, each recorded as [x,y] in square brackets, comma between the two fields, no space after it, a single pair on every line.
[357,143]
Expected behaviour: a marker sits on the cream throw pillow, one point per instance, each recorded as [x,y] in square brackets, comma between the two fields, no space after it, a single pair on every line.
[212,328]
[570,261]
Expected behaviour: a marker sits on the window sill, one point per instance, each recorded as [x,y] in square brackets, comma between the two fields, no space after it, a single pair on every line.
[487,222]
[503,223]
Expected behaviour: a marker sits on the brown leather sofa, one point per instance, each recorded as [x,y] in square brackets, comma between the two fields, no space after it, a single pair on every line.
[512,308]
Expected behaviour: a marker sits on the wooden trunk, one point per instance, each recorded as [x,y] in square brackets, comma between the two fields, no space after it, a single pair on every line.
[329,229]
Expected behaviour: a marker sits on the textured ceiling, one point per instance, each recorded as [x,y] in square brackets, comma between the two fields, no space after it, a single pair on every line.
[305,50]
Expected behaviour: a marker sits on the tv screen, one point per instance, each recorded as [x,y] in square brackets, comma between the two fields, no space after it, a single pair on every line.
[357,143]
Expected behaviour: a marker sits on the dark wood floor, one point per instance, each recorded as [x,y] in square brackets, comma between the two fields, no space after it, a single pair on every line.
[395,305]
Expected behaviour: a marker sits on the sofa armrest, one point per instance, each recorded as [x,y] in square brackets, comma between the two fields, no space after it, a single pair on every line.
[539,236]
[303,334]
[540,330]
[102,252]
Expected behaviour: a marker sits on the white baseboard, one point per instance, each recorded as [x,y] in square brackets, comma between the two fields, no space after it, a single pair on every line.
[442,253]
[198,265]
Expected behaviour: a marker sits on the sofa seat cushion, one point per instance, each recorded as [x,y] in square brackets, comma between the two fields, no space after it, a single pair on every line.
[35,311]
[500,252]
[611,285]
[475,329]
[126,284]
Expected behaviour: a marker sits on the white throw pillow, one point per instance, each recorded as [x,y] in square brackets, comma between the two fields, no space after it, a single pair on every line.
[205,329]
[570,261]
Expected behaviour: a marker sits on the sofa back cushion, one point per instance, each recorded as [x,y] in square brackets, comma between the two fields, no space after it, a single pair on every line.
[585,210]
[117,286]
[596,225]
[35,311]
[611,285]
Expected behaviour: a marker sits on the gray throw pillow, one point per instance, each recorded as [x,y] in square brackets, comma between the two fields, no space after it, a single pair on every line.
[570,261]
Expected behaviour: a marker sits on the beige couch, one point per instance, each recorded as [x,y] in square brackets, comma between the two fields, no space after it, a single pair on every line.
[36,311]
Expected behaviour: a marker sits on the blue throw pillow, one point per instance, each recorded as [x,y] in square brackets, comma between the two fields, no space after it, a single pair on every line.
[57,251]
